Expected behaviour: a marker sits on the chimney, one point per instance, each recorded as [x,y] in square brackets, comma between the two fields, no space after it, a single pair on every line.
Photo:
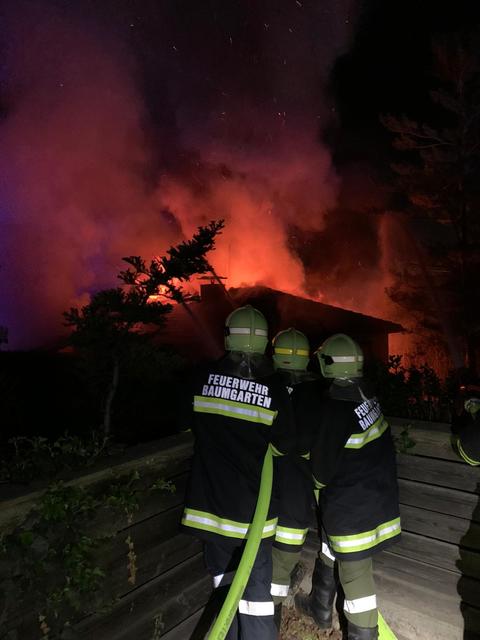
[212,293]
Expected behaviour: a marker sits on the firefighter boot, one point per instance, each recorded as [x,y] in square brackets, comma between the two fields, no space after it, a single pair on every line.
[319,603]
[277,616]
[361,633]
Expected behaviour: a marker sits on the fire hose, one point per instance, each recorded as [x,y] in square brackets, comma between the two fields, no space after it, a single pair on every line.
[229,608]
[384,631]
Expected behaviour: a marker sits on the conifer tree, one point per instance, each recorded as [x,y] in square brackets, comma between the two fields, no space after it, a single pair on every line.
[115,320]
[440,175]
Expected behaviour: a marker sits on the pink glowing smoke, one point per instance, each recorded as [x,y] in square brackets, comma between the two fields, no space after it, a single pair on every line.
[74,198]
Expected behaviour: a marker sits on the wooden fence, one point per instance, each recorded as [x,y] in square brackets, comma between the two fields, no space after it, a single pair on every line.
[170,583]
[428,584]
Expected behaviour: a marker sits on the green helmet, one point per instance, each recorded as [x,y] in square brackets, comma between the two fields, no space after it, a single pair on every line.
[291,350]
[472,405]
[246,330]
[340,357]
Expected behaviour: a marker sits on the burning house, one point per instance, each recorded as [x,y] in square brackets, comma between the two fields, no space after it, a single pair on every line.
[197,329]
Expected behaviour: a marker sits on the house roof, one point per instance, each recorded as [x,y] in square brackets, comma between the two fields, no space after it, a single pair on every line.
[299,309]
[199,326]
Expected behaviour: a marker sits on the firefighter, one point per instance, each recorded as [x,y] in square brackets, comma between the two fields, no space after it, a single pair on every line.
[239,406]
[354,470]
[291,353]
[467,441]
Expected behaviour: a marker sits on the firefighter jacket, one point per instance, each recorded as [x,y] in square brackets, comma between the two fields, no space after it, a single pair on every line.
[292,479]
[233,420]
[354,467]
[468,440]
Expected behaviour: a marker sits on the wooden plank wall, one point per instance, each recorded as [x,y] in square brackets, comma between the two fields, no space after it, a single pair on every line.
[171,585]
[435,570]
[433,573]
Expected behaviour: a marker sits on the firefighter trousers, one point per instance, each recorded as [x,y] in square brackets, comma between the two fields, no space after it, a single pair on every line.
[284,562]
[356,578]
[254,618]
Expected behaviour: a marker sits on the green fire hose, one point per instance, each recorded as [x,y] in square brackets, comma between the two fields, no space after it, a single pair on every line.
[384,631]
[242,574]
[229,609]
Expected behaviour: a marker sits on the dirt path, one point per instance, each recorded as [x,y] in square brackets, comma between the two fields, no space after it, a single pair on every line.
[295,627]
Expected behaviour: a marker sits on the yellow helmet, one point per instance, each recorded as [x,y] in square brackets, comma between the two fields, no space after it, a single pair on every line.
[291,350]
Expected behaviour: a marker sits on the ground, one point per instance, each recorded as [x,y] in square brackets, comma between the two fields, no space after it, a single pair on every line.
[295,627]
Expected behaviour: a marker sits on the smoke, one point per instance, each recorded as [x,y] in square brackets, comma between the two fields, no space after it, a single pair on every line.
[261,198]
[72,196]
[82,183]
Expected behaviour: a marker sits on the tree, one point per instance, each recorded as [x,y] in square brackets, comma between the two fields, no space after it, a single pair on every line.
[116,319]
[441,178]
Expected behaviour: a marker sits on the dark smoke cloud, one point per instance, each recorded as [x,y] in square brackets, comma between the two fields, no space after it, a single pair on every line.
[72,196]
[113,114]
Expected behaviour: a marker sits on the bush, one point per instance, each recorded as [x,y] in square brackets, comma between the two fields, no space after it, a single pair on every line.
[414,392]
[38,458]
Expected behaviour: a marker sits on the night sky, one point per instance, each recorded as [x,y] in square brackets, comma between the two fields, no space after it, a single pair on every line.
[125,124]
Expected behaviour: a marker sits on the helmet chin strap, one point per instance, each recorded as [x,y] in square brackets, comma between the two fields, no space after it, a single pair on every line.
[248,365]
[245,368]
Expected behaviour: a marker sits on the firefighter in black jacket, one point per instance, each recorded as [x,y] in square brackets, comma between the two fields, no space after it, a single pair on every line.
[239,406]
[354,469]
[467,439]
[291,352]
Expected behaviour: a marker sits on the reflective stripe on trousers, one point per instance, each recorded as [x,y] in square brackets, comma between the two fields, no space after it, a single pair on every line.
[284,563]
[223,579]
[280,590]
[254,619]
[360,605]
[251,608]
[327,552]
[247,607]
